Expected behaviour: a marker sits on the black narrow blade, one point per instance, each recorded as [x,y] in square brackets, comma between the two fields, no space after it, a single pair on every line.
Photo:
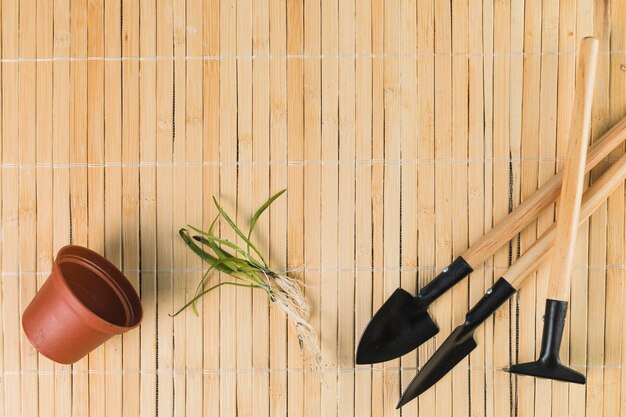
[457,346]
[542,369]
[400,325]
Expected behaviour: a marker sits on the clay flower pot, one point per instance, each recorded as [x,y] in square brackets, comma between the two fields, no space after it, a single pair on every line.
[84,302]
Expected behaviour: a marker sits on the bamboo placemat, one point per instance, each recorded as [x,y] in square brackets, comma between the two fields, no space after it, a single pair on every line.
[403,130]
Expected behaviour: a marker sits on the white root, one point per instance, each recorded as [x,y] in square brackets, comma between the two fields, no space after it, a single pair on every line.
[290,299]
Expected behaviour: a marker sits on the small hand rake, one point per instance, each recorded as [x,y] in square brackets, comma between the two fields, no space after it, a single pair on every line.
[549,365]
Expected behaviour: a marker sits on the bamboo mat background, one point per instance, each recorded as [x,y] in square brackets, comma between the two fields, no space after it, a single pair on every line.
[403,129]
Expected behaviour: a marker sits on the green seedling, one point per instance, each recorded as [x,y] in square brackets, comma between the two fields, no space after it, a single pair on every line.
[248,268]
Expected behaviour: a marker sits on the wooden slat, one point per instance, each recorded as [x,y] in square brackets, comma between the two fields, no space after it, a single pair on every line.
[501,195]
[580,288]
[61,183]
[426,172]
[228,186]
[27,201]
[179,207]
[459,200]
[529,183]
[476,188]
[295,185]
[79,186]
[10,209]
[260,155]
[131,117]
[517,74]
[489,117]
[329,205]
[210,187]
[165,148]
[515,152]
[547,152]
[279,211]
[443,184]
[147,206]
[95,179]
[244,201]
[194,135]
[566,81]
[392,180]
[113,187]
[312,198]
[409,151]
[598,242]
[363,197]
[614,343]
[346,209]
[378,153]
[3,75]
[45,157]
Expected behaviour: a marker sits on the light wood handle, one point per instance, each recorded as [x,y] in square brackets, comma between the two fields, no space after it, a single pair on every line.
[526,212]
[573,173]
[541,250]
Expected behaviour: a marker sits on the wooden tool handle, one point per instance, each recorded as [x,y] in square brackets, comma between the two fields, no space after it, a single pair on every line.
[573,173]
[541,250]
[519,218]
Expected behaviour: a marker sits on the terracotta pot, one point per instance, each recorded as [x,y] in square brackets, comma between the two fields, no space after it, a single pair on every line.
[84,302]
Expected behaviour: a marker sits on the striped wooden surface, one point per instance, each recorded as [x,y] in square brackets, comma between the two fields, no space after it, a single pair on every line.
[403,130]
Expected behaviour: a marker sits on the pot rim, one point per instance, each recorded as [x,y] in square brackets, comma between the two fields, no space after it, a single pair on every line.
[133,310]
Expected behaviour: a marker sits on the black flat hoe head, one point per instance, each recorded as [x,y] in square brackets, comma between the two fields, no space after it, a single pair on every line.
[402,323]
[549,365]
[459,344]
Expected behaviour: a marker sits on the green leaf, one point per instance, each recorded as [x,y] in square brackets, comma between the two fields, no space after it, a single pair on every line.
[233,262]
[221,254]
[199,287]
[210,259]
[235,274]
[261,209]
[245,268]
[203,293]
[216,265]
[213,223]
[205,236]
[239,232]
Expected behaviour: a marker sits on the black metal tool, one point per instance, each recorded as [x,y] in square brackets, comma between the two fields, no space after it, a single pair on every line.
[461,342]
[403,323]
[549,365]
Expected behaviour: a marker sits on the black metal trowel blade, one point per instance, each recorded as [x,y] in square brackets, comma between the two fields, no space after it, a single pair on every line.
[460,342]
[400,325]
[403,323]
[457,346]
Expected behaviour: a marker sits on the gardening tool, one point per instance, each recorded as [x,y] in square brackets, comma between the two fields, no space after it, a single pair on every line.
[549,365]
[402,323]
[461,341]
